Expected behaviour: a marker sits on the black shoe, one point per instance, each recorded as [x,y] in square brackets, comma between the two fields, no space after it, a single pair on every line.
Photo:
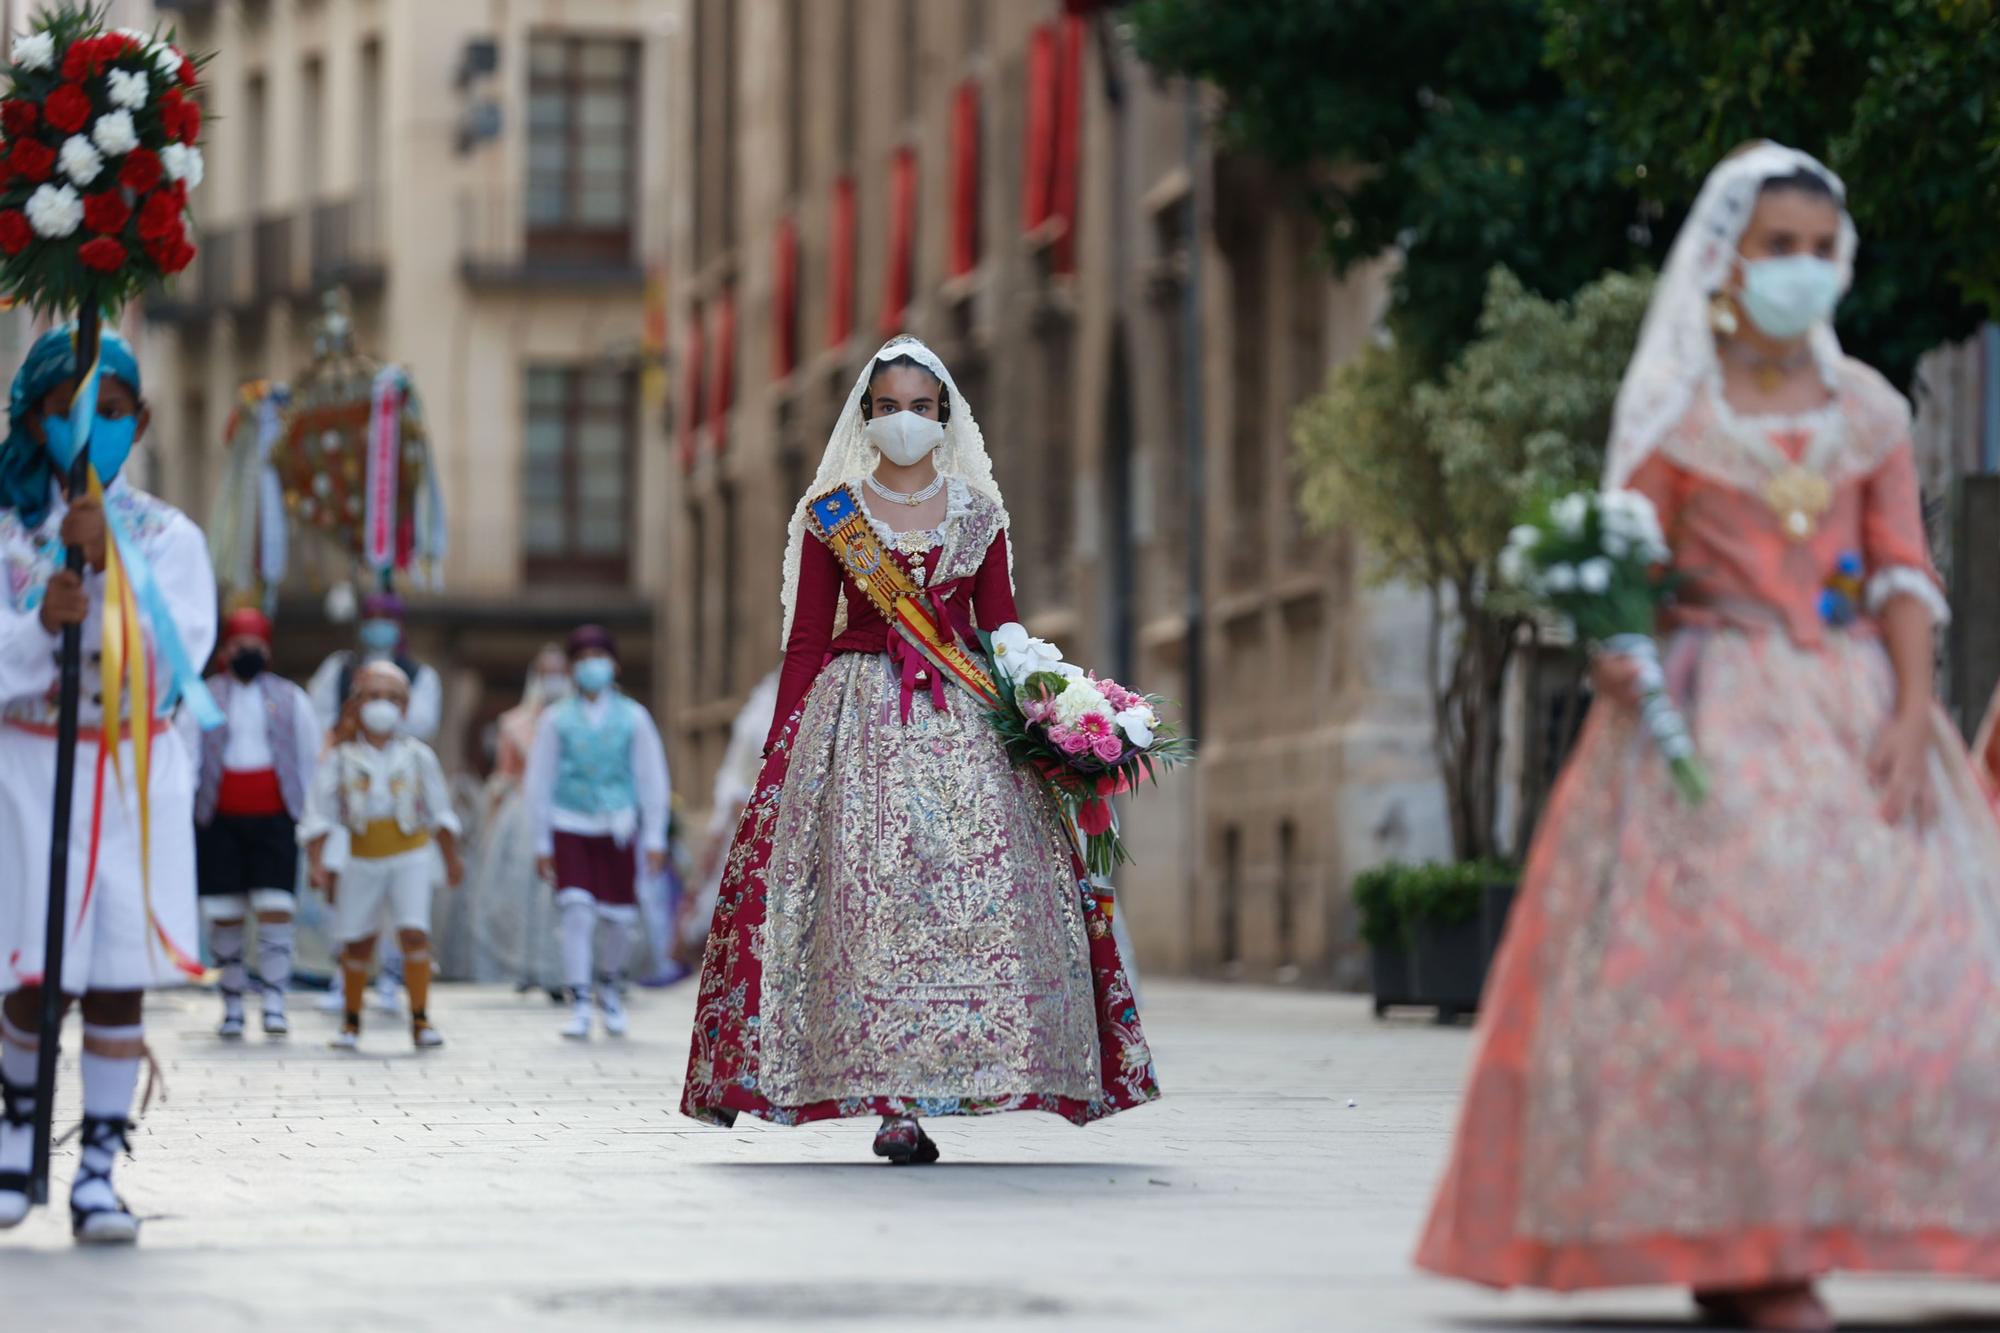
[903,1142]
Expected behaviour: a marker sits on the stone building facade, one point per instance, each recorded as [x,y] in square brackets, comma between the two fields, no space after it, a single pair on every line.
[1008,182]
[487,184]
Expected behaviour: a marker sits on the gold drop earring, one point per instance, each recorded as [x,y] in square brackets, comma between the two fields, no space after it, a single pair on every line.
[1722,314]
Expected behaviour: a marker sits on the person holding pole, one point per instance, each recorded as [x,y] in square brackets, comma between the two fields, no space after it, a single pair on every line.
[130,883]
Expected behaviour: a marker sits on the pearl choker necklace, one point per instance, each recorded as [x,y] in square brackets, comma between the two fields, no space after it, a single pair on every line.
[911,498]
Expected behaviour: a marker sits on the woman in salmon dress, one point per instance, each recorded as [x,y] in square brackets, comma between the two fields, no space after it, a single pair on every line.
[903,927]
[1737,1045]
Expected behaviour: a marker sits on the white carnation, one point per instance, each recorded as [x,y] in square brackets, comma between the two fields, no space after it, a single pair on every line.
[1526,537]
[1570,512]
[1514,566]
[80,162]
[182,163]
[1594,576]
[55,210]
[167,60]
[128,89]
[1560,578]
[1079,698]
[114,133]
[35,50]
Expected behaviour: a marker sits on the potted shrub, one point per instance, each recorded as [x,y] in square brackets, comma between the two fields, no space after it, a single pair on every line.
[1376,898]
[1443,907]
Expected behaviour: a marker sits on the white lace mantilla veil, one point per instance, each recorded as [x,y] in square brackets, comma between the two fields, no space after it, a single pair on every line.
[1676,351]
[849,457]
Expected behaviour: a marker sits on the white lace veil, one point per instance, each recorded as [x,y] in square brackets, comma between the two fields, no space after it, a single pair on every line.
[1676,352]
[850,457]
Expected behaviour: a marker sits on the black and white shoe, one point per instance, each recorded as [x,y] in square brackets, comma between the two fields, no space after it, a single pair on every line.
[103,1219]
[17,1137]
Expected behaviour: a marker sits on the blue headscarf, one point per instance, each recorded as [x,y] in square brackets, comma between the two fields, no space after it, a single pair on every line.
[24,464]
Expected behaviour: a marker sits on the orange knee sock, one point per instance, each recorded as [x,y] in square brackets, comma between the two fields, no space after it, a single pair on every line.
[417,979]
[354,987]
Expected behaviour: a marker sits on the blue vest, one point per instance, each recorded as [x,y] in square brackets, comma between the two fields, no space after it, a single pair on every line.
[594,764]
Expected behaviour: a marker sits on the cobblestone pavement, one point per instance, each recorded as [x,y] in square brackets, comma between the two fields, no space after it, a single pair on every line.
[512,1181]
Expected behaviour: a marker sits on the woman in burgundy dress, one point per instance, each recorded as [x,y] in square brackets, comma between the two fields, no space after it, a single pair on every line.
[904,929]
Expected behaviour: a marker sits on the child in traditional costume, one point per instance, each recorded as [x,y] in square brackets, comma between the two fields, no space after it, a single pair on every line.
[387,790]
[252,776]
[597,793]
[904,927]
[1737,1044]
[131,894]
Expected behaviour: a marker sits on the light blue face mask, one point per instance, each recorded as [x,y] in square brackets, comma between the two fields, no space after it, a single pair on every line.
[111,441]
[381,636]
[593,674]
[1786,296]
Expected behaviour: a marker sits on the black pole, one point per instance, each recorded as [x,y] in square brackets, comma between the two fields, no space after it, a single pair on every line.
[66,729]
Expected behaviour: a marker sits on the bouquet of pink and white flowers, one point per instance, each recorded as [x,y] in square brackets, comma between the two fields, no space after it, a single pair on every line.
[1599,560]
[1087,737]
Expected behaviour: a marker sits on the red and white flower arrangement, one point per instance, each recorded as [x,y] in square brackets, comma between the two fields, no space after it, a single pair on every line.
[100,149]
[1088,737]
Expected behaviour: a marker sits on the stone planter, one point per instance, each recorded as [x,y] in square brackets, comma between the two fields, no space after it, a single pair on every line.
[1448,963]
[1389,969]
[1495,902]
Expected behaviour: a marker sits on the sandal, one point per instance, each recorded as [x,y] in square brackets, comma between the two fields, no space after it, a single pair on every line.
[108,1224]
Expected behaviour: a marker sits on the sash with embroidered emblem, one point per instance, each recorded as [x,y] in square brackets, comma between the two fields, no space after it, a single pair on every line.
[840,520]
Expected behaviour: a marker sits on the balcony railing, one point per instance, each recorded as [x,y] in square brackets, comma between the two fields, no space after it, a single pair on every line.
[345,240]
[500,247]
[275,269]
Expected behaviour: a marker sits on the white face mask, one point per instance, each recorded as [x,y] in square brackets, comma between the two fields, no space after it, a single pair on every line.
[1786,296]
[380,716]
[904,437]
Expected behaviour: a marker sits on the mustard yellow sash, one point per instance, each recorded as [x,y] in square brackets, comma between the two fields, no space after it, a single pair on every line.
[840,520]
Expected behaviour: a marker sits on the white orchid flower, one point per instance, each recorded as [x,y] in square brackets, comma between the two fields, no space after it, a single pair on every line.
[1137,724]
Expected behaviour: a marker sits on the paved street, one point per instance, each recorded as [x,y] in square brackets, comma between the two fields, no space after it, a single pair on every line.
[511,1181]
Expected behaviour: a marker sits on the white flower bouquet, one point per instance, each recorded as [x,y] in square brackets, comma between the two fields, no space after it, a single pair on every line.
[1087,737]
[1599,559]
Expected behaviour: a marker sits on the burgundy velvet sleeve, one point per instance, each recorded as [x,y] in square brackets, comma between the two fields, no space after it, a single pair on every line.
[818,597]
[993,589]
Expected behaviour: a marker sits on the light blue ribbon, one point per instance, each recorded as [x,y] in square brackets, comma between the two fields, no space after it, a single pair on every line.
[185,681]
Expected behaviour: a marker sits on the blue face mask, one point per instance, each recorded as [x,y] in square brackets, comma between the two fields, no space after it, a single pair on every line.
[111,441]
[381,636]
[1786,296]
[593,674]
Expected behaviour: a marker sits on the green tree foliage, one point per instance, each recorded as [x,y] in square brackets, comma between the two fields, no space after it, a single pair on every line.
[1902,97]
[1424,125]
[1430,474]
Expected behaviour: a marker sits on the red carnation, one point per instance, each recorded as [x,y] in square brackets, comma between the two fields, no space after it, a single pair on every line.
[189,75]
[159,216]
[173,257]
[190,122]
[68,108]
[106,213]
[32,160]
[19,116]
[15,233]
[141,171]
[84,59]
[101,253]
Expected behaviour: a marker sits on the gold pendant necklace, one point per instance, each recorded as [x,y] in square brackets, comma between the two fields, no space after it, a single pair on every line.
[1800,498]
